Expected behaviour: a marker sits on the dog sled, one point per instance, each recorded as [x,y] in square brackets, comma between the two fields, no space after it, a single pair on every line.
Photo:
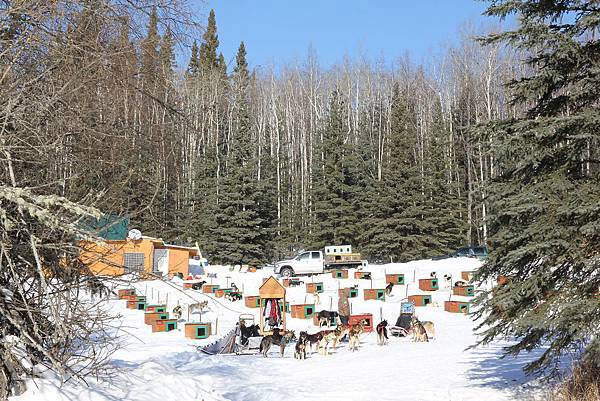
[244,339]
[403,324]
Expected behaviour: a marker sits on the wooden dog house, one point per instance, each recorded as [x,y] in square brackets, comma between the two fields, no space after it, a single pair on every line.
[465,291]
[156,308]
[456,307]
[138,303]
[220,292]
[313,288]
[467,275]
[352,292]
[429,284]
[126,292]
[152,316]
[396,279]
[362,275]
[420,300]
[252,301]
[271,290]
[340,273]
[164,325]
[291,282]
[355,319]
[302,311]
[371,293]
[209,288]
[197,331]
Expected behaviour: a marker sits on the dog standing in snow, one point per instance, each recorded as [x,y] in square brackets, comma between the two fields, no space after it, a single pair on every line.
[388,289]
[382,336]
[177,312]
[419,332]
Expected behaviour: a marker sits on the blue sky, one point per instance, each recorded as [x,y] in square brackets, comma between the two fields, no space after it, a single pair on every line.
[280,31]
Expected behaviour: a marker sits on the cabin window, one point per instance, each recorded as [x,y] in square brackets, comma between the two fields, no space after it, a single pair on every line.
[133,262]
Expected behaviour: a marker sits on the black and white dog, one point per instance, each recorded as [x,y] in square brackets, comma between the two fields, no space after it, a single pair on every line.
[388,288]
[382,336]
[326,317]
[198,286]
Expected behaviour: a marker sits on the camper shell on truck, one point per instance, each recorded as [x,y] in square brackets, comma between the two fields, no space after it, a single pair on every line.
[316,262]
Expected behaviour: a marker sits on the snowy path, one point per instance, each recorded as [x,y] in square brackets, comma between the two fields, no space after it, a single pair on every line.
[165,366]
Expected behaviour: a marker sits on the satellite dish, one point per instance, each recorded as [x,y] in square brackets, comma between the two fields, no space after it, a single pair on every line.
[134,234]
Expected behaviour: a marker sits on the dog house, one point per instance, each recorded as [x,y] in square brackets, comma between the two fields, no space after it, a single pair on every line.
[376,294]
[209,288]
[138,303]
[313,288]
[197,331]
[352,292]
[302,311]
[420,300]
[272,306]
[291,282]
[164,325]
[156,308]
[220,292]
[396,279]
[465,291]
[340,273]
[126,292]
[152,316]
[362,275]
[332,321]
[355,319]
[456,307]
[467,276]
[429,284]
[252,301]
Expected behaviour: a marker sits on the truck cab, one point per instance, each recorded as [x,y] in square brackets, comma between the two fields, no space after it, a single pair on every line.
[307,262]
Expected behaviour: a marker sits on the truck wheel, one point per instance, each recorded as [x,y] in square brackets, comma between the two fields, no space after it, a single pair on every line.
[287,272]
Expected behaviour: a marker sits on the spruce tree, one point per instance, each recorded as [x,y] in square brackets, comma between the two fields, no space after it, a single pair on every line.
[210,43]
[194,63]
[334,182]
[241,233]
[394,228]
[544,201]
[150,52]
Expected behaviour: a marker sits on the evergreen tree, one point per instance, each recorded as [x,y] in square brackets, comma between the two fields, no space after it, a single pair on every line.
[545,213]
[210,43]
[194,63]
[394,228]
[334,183]
[241,233]
[150,52]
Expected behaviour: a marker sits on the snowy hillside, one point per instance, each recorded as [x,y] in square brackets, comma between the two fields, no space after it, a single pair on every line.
[166,366]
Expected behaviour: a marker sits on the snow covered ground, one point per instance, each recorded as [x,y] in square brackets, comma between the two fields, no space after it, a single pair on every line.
[166,366]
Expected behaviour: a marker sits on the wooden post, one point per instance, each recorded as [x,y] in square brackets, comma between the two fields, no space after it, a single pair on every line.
[330,303]
[167,301]
[380,313]
[146,290]
[371,283]
[216,326]
[188,313]
[414,275]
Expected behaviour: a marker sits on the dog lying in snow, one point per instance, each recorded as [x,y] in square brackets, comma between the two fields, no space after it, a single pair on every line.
[382,336]
[198,286]
[233,296]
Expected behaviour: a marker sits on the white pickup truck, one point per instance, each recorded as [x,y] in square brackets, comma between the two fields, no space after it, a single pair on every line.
[313,262]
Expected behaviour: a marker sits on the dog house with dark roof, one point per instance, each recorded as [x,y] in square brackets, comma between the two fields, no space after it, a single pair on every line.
[429,284]
[156,308]
[271,290]
[126,292]
[339,273]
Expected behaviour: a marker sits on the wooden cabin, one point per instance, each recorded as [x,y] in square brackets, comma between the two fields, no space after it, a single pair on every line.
[271,290]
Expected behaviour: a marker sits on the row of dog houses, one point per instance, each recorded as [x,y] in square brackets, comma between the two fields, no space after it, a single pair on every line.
[158,317]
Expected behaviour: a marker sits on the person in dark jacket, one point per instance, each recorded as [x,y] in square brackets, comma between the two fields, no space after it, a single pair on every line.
[344,307]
